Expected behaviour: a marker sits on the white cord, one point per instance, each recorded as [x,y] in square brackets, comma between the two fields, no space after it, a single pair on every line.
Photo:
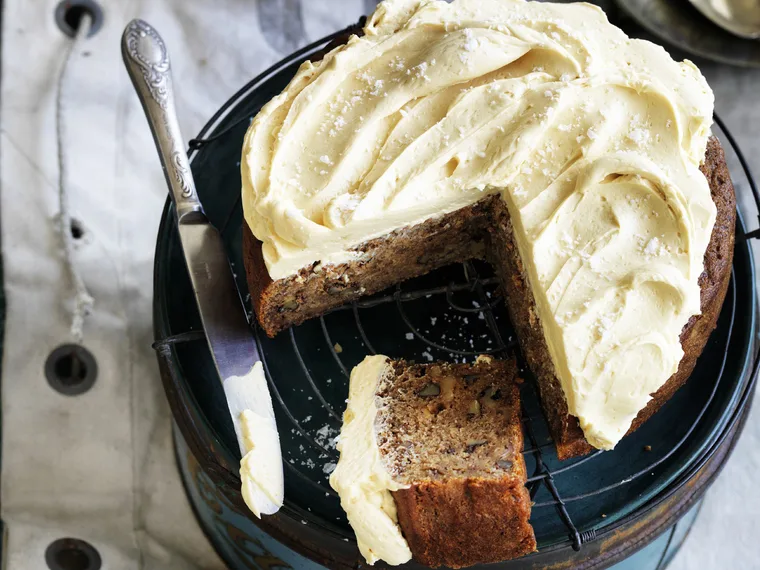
[83,302]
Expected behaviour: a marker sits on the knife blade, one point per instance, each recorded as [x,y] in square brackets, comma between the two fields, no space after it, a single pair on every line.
[230,338]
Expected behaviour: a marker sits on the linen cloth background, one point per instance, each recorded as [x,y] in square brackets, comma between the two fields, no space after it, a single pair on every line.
[100,466]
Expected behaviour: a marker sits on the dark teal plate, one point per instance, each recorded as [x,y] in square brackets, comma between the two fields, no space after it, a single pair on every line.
[453,313]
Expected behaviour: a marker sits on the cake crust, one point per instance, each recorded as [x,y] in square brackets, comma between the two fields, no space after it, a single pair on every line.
[466,522]
[478,231]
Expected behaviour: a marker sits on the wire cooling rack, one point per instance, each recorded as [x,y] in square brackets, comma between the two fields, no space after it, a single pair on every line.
[456,314]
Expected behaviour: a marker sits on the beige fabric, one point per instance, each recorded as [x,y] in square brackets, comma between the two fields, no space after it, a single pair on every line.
[100,466]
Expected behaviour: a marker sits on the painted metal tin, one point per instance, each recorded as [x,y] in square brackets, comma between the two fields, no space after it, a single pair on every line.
[587,513]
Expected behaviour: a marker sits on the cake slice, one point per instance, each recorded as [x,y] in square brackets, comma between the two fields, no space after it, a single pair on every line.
[431,463]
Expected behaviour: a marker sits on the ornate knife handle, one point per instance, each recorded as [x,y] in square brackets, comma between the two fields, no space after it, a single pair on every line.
[147,61]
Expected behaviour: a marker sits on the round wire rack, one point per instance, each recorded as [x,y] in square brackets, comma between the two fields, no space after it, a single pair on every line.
[454,313]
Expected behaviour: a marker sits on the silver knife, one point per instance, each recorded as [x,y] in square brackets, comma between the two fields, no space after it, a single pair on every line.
[228,332]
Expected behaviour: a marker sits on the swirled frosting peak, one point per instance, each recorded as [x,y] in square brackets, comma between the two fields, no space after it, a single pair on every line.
[592,139]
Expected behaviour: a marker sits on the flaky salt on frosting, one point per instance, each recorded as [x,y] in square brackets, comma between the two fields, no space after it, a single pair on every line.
[592,139]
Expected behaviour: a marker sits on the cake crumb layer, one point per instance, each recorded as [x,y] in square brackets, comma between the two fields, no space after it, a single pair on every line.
[451,434]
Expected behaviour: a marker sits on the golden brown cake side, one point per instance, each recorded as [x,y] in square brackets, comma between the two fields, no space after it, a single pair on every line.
[566,431]
[453,433]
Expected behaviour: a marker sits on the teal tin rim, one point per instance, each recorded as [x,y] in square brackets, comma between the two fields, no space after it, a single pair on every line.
[578,504]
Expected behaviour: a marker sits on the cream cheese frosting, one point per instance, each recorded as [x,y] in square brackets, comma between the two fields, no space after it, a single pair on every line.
[360,478]
[261,467]
[261,473]
[592,139]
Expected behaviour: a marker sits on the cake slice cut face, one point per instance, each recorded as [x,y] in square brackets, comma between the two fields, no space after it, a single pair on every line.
[407,148]
[431,463]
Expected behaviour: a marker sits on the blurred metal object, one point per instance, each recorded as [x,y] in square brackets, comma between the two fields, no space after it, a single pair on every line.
[740,17]
[681,25]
